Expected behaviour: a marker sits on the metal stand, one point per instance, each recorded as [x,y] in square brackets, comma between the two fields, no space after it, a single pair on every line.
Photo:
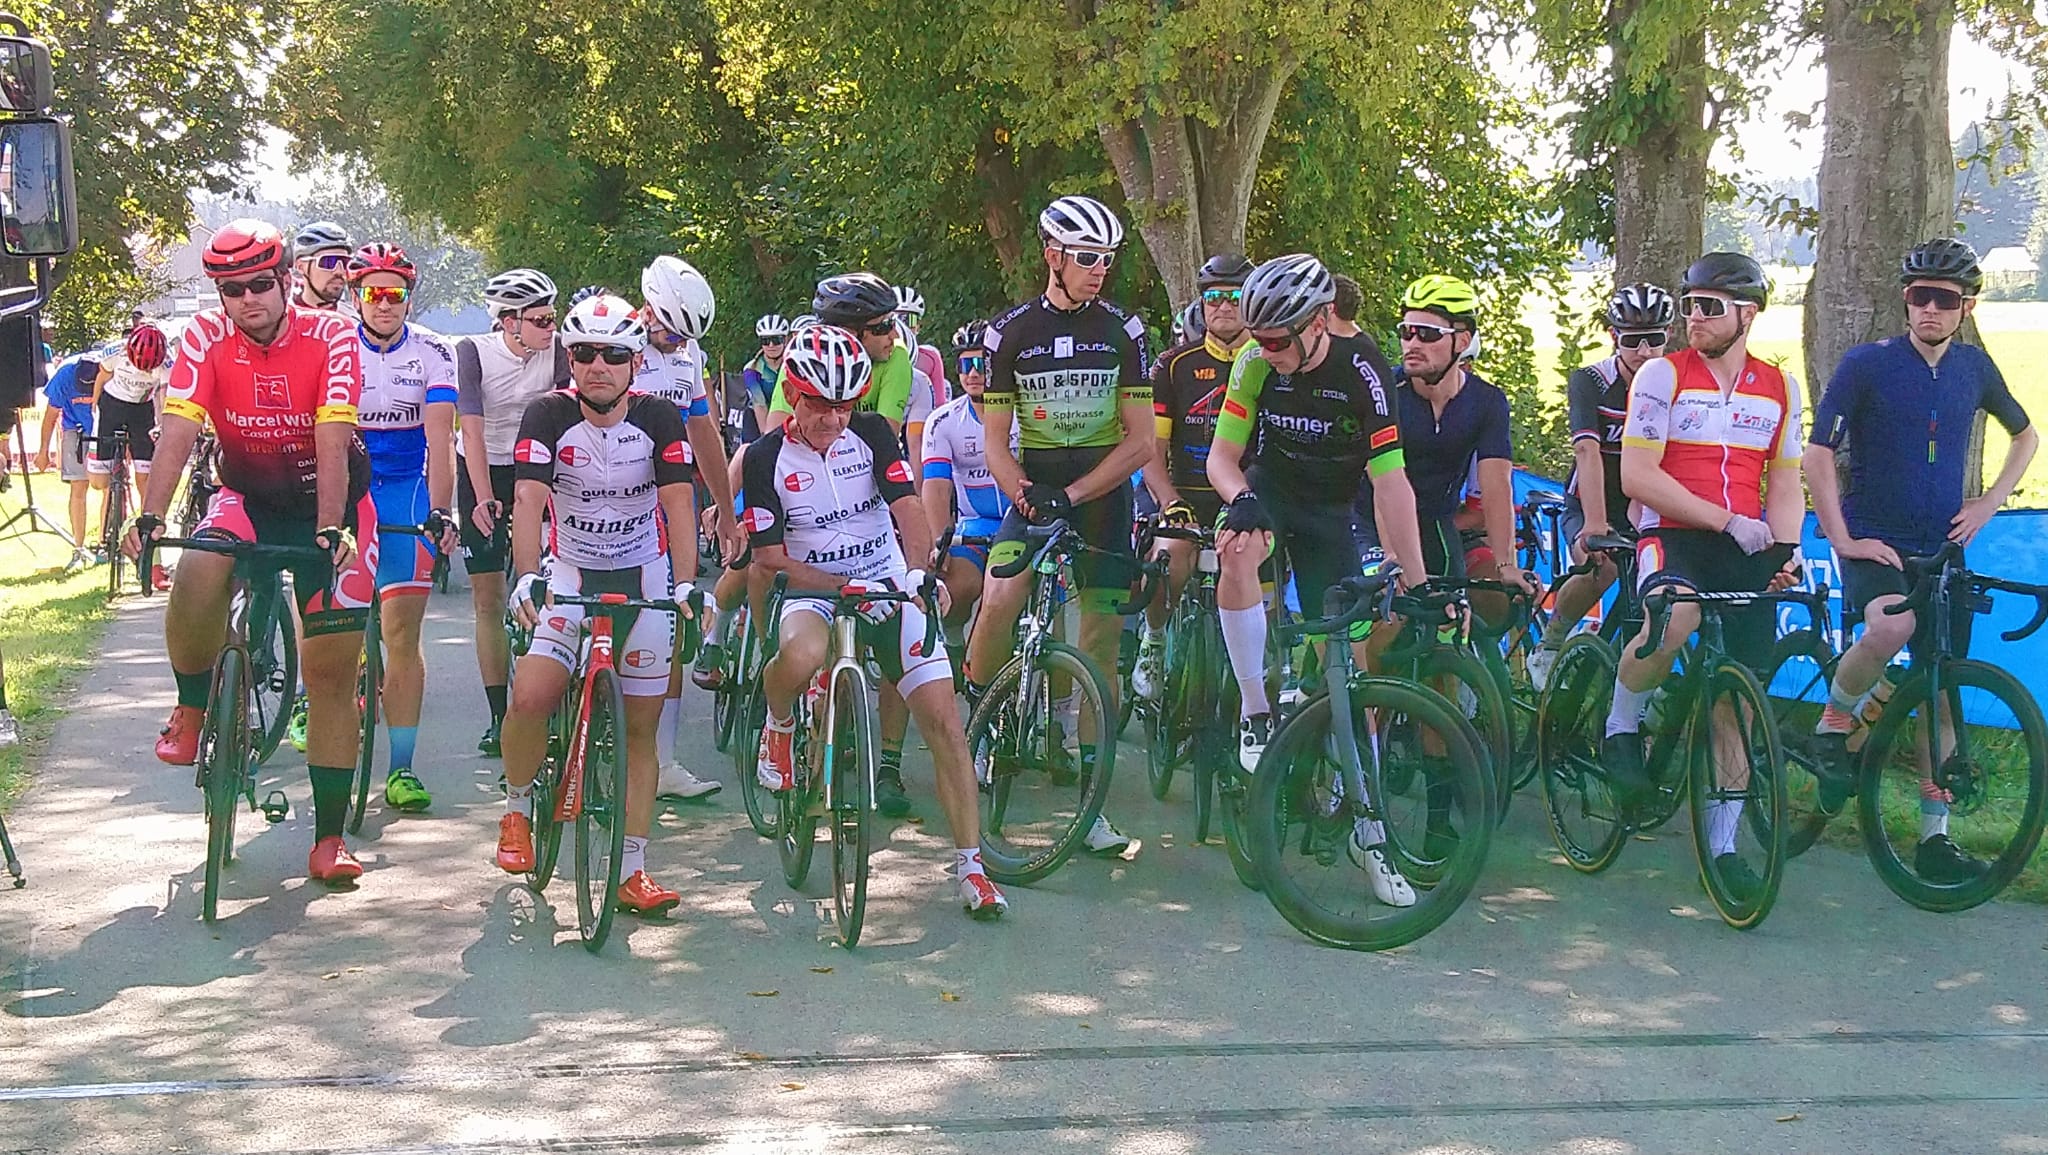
[37,520]
[13,863]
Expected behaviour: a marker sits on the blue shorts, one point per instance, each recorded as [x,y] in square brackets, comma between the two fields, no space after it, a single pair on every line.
[975,554]
[406,564]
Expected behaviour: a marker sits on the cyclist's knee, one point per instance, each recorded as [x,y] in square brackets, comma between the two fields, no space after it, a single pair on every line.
[328,663]
[1887,631]
[539,685]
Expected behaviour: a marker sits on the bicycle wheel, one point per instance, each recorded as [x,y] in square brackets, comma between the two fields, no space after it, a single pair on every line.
[1468,686]
[796,822]
[601,826]
[750,714]
[223,764]
[547,791]
[1741,852]
[1310,843]
[1510,670]
[369,689]
[1796,682]
[1992,779]
[1038,797]
[112,528]
[273,664]
[851,758]
[1232,793]
[1571,720]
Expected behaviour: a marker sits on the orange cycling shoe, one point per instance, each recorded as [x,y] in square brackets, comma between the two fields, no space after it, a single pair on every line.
[178,741]
[515,844]
[643,896]
[331,862]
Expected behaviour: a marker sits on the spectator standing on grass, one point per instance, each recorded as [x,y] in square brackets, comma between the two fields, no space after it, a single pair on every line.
[69,395]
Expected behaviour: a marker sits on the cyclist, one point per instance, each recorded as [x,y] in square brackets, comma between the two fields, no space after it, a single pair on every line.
[680,307]
[610,464]
[857,500]
[70,409]
[928,388]
[1710,451]
[1343,320]
[772,330]
[280,385]
[1067,371]
[496,376]
[1596,399]
[1317,411]
[956,485]
[321,253]
[1188,384]
[407,420]
[1905,493]
[126,394]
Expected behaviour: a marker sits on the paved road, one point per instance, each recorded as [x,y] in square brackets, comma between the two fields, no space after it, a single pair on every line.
[1152,1006]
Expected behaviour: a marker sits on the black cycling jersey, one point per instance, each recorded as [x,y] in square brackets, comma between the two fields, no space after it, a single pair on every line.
[1066,373]
[1596,399]
[1318,432]
[1187,396]
[1440,451]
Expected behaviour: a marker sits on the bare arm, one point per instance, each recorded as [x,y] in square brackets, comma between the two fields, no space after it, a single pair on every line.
[709,449]
[1497,502]
[913,527]
[529,499]
[938,505]
[775,559]
[1226,472]
[679,505]
[1784,501]
[174,443]
[2018,456]
[441,456]
[1158,478]
[1002,464]
[331,441]
[1592,486]
[1393,510]
[1643,478]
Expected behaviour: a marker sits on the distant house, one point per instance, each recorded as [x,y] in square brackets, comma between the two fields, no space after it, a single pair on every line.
[2009,259]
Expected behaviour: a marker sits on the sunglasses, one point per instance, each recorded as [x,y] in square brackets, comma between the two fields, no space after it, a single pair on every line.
[234,290]
[1279,344]
[1654,340]
[1090,258]
[973,364]
[771,342]
[331,261]
[612,354]
[1696,306]
[384,294]
[880,328]
[1422,334]
[544,321]
[1921,296]
[1222,296]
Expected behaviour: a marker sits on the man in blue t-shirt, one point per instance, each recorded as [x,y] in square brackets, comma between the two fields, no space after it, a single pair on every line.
[69,394]
[1905,494]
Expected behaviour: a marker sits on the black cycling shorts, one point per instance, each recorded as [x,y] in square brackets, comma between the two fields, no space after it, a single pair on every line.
[1104,523]
[135,418]
[1443,545]
[1865,580]
[482,554]
[1708,562]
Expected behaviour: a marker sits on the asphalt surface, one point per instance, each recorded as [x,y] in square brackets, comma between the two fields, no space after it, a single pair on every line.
[1125,1007]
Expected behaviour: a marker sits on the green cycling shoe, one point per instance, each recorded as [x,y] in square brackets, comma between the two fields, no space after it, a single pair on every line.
[403,792]
[295,729]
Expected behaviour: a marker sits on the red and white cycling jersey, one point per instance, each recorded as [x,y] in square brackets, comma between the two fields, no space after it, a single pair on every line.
[1717,445]
[265,400]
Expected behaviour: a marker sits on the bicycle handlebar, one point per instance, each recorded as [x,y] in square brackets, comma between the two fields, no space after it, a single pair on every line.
[279,556]
[1657,607]
[1949,559]
[847,601]
[1193,533]
[692,624]
[1154,576]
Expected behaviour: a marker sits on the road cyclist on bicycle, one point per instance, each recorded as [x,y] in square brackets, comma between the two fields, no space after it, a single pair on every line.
[280,385]
[127,394]
[829,495]
[610,466]
[958,491]
[1905,497]
[407,418]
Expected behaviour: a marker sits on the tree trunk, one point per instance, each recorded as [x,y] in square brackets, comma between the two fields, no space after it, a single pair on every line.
[1887,174]
[1660,176]
[1002,192]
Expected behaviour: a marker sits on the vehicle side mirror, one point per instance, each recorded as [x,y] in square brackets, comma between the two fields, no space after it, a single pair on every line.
[38,200]
[25,82]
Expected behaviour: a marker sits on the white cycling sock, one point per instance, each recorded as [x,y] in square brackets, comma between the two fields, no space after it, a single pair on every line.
[665,735]
[1722,819]
[519,801]
[966,861]
[719,620]
[1244,637]
[1625,716]
[633,859]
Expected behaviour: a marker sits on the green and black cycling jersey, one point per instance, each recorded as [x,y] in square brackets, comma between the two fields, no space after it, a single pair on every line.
[1317,433]
[1066,373]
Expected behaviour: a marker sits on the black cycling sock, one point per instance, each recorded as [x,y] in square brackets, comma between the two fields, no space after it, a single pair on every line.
[331,786]
[496,696]
[193,688]
[890,760]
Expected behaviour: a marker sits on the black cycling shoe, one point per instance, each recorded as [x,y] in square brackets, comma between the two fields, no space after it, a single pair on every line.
[1940,861]
[488,744]
[889,797]
[1834,771]
[1737,878]
[1621,755]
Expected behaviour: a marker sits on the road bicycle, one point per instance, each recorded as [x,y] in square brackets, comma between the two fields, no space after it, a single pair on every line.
[833,752]
[1992,773]
[201,483]
[1191,725]
[229,736]
[113,446]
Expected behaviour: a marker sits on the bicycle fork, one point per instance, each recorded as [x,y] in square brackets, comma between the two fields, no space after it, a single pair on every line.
[845,644]
[1355,794]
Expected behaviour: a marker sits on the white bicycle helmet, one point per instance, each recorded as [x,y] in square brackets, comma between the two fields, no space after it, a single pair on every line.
[680,297]
[1286,291]
[1080,222]
[803,321]
[772,325]
[826,362]
[605,320]
[909,301]
[318,237]
[516,289]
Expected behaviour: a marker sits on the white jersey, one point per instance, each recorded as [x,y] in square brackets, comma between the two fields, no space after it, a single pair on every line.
[955,449]
[924,399]
[497,384]
[399,382]
[830,510]
[677,378]
[131,384]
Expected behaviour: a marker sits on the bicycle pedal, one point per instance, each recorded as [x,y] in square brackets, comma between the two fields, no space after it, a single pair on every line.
[276,807]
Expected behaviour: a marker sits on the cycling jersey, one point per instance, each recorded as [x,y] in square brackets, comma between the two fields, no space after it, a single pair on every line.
[1188,384]
[399,382]
[888,394]
[1319,431]
[496,384]
[605,478]
[1066,374]
[265,401]
[829,510]
[1596,400]
[1442,450]
[1717,445]
[676,377]
[1906,478]
[929,361]
[954,451]
[128,383]
[924,399]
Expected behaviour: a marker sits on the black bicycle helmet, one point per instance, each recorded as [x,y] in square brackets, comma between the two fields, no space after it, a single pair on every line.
[1224,269]
[1735,274]
[585,293]
[1943,259]
[1190,323]
[1639,306]
[850,300]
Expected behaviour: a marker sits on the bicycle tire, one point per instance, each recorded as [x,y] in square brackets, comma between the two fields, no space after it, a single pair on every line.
[223,762]
[796,821]
[1231,790]
[1795,705]
[750,714]
[1161,749]
[273,666]
[369,695]
[853,768]
[601,825]
[1510,670]
[1764,809]
[1479,703]
[1571,718]
[1289,771]
[2014,852]
[1051,842]
[113,525]
[547,791]
[726,699]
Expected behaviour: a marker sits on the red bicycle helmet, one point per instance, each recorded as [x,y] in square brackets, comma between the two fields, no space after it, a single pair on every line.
[245,246]
[147,347]
[381,257]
